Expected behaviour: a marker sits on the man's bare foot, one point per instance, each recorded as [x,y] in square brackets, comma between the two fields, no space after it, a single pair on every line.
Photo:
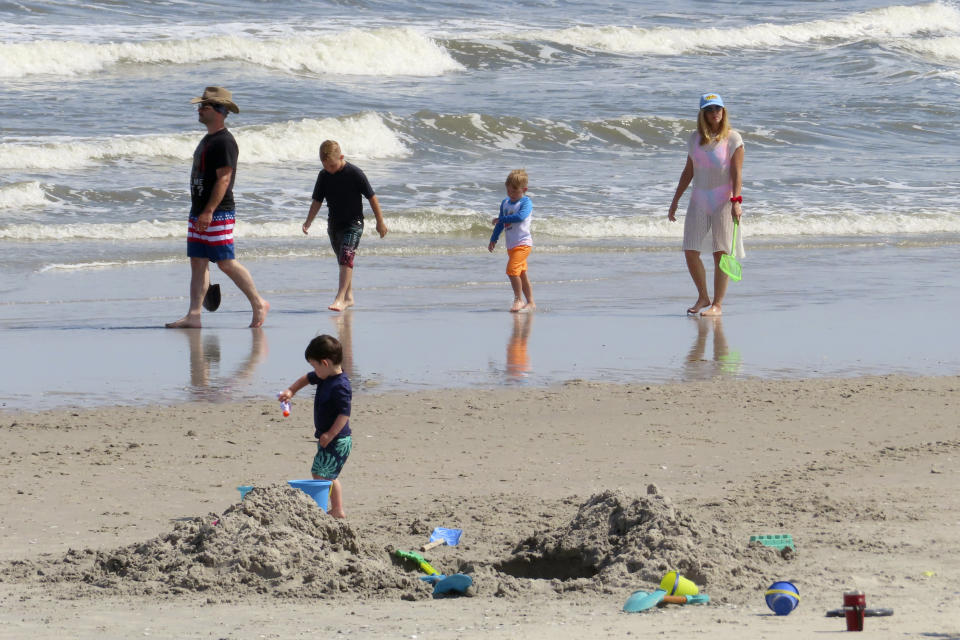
[260,314]
[189,321]
[517,305]
[695,309]
[530,306]
[337,514]
[340,305]
[712,312]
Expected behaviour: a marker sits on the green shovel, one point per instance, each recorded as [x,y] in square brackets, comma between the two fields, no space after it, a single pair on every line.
[729,264]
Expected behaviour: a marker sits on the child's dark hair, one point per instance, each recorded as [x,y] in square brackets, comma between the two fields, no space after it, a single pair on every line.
[324,347]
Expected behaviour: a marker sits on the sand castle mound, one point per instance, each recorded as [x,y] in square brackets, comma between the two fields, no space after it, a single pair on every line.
[616,541]
[277,542]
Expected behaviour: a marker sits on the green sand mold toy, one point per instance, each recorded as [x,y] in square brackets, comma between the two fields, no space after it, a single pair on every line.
[419,559]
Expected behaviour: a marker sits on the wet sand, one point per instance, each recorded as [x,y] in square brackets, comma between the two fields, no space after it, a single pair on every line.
[603,316]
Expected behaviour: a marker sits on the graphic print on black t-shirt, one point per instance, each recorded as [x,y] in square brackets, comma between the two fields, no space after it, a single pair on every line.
[215,150]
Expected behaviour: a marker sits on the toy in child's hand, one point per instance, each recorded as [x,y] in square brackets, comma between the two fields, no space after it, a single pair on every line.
[285,407]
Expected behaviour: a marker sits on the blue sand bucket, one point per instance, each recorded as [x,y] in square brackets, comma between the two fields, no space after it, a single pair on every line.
[244,490]
[782,598]
[319,490]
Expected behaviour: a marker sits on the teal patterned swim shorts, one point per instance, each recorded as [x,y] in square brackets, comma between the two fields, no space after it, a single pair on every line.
[330,459]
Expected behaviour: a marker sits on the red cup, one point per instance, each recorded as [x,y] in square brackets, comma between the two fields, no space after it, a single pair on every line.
[854,602]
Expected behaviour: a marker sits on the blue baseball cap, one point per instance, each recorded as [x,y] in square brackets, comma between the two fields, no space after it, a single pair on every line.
[708,99]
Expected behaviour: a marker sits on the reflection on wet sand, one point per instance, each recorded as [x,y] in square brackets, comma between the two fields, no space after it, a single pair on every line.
[205,358]
[724,361]
[344,333]
[518,359]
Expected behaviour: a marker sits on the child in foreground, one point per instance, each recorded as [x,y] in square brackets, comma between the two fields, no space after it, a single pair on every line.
[515,213]
[331,413]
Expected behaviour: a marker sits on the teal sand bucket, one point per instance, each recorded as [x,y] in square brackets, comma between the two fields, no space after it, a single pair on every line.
[319,490]
[782,598]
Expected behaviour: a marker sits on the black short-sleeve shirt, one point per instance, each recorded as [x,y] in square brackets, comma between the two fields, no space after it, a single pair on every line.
[344,192]
[216,150]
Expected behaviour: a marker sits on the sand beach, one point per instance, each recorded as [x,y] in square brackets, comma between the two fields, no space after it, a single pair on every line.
[570,497]
[584,450]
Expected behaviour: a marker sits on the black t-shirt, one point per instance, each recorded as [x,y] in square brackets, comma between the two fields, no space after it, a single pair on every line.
[343,191]
[216,150]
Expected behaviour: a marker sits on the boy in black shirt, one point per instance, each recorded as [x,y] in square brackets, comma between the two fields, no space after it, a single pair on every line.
[342,185]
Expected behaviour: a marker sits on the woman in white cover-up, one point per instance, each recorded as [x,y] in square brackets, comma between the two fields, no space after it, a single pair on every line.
[715,166]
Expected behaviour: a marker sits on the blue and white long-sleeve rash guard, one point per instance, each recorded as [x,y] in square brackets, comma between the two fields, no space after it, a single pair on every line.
[515,219]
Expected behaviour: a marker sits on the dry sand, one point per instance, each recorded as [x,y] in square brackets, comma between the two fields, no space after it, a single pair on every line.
[107,515]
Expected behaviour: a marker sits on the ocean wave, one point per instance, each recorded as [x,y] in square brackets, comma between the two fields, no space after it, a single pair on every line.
[373,52]
[363,136]
[944,49]
[876,24]
[481,130]
[22,194]
[466,223]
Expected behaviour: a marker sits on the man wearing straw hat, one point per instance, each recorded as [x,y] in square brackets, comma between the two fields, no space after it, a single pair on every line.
[212,210]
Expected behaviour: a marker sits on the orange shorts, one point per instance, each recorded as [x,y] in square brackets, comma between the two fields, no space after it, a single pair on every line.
[517,263]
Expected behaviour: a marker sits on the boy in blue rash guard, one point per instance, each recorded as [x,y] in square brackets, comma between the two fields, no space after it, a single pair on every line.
[515,213]
[331,413]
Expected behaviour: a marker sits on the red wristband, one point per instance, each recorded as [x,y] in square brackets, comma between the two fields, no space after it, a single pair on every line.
[737,199]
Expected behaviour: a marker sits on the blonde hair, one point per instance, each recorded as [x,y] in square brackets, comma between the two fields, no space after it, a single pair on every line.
[518,179]
[330,149]
[706,135]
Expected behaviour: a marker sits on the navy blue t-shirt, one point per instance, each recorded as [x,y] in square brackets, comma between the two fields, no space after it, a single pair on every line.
[332,399]
[343,192]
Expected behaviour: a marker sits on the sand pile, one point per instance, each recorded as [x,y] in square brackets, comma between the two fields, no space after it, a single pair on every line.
[277,542]
[618,542]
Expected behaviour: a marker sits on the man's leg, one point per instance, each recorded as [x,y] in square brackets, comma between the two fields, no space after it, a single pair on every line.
[244,281]
[199,281]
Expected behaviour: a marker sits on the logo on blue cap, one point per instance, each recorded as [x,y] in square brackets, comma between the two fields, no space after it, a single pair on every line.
[708,99]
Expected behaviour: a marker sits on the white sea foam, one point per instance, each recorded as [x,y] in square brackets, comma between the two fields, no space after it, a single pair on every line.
[474,224]
[140,230]
[827,223]
[22,194]
[877,24]
[440,221]
[363,136]
[374,52]
[945,49]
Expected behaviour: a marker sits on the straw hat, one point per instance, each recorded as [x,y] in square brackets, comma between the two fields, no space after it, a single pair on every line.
[217,95]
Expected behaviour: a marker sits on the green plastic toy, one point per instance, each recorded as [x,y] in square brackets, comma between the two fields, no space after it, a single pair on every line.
[729,264]
[416,557]
[775,540]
